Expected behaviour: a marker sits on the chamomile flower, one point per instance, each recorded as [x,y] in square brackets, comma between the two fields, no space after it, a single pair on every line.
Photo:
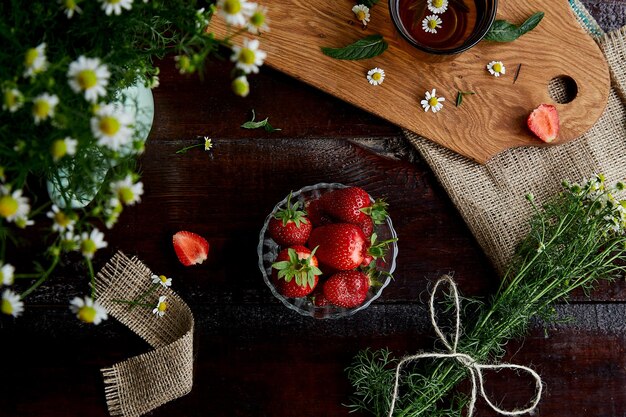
[240,86]
[11,304]
[43,106]
[6,274]
[62,221]
[258,20]
[162,280]
[70,7]
[208,143]
[116,6]
[112,127]
[376,76]
[62,147]
[35,60]
[431,23]
[437,6]
[159,310]
[248,57]
[112,212]
[12,99]
[89,75]
[13,206]
[432,102]
[127,191]
[88,310]
[235,12]
[496,68]
[362,13]
[91,242]
[70,241]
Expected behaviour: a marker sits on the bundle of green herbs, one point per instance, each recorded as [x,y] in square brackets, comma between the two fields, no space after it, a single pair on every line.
[576,239]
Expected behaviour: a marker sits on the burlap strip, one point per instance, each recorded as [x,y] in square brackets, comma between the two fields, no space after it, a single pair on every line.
[490,197]
[142,383]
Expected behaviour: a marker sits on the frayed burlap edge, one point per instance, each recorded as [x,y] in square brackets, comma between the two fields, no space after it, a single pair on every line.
[142,383]
[490,197]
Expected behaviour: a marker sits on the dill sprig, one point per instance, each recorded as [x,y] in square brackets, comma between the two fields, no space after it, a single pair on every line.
[576,239]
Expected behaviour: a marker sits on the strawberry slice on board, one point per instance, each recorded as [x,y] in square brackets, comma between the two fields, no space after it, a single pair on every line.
[191,249]
[544,122]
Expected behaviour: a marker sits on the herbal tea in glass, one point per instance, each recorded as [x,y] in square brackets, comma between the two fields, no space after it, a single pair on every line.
[438,24]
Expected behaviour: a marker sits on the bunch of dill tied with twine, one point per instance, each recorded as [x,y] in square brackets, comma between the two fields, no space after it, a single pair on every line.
[576,239]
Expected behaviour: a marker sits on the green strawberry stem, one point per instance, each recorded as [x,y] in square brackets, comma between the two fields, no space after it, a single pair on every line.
[379,249]
[377,211]
[302,270]
[291,213]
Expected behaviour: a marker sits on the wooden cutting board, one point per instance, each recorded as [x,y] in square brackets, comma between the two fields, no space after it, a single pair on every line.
[486,123]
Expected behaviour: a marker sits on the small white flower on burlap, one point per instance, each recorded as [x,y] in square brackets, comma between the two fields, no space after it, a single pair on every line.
[162,280]
[159,310]
[432,102]
[376,76]
[88,310]
[437,6]
[248,57]
[496,68]
[362,13]
[431,23]
[11,304]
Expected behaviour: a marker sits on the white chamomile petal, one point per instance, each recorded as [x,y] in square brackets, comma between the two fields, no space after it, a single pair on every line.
[162,280]
[362,13]
[437,6]
[13,205]
[376,76]
[89,76]
[432,102]
[258,21]
[431,23]
[161,306]
[88,310]
[91,242]
[115,6]
[496,68]
[10,304]
[248,57]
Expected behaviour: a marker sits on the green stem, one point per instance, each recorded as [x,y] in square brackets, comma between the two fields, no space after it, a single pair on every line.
[41,280]
[92,278]
[186,148]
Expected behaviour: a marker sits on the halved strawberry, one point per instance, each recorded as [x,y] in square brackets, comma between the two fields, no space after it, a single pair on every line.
[544,122]
[353,205]
[290,226]
[347,289]
[295,272]
[190,248]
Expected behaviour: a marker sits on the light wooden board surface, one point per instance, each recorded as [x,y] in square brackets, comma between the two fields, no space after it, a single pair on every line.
[486,123]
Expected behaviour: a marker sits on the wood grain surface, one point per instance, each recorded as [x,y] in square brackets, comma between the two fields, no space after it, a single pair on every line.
[487,123]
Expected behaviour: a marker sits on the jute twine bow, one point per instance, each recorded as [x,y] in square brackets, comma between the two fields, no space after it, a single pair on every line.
[475,369]
[140,384]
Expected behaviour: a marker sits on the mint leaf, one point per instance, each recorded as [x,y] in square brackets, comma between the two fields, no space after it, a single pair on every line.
[251,124]
[503,31]
[365,48]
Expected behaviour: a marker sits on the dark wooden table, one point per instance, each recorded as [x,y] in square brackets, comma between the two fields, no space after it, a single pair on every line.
[253,356]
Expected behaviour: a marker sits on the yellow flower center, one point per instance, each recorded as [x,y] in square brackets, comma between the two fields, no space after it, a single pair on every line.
[257,19]
[360,15]
[240,87]
[437,3]
[10,99]
[377,76]
[162,306]
[247,56]
[432,23]
[88,246]
[31,56]
[61,219]
[41,109]
[433,101]
[87,314]
[8,206]
[6,307]
[497,67]
[232,6]
[70,4]
[126,195]
[109,125]
[87,79]
[163,278]
[58,149]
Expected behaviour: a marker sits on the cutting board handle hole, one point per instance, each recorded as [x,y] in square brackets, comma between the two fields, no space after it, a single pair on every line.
[563,89]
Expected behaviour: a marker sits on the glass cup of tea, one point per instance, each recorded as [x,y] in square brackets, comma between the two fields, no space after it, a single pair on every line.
[443,27]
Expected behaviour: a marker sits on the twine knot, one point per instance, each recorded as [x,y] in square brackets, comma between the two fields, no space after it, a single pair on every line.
[475,368]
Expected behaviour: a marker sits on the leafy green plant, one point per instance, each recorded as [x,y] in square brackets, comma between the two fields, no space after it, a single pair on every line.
[503,31]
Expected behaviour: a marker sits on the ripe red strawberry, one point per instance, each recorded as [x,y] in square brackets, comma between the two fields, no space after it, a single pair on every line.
[190,248]
[295,273]
[316,214]
[367,225]
[319,300]
[290,225]
[341,246]
[544,122]
[353,205]
[347,289]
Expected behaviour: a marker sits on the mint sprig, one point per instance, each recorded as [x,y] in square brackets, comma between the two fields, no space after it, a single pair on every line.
[365,48]
[503,31]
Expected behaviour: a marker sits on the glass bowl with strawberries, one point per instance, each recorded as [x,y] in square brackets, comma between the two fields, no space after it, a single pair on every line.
[328,250]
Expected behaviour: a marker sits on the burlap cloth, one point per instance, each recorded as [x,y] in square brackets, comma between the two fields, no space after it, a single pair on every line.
[142,383]
[490,197]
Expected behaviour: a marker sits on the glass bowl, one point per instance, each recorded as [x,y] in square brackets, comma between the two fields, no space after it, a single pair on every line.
[268,251]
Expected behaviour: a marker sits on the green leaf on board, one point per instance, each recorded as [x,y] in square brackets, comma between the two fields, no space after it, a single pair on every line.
[251,124]
[365,48]
[503,31]
[460,94]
